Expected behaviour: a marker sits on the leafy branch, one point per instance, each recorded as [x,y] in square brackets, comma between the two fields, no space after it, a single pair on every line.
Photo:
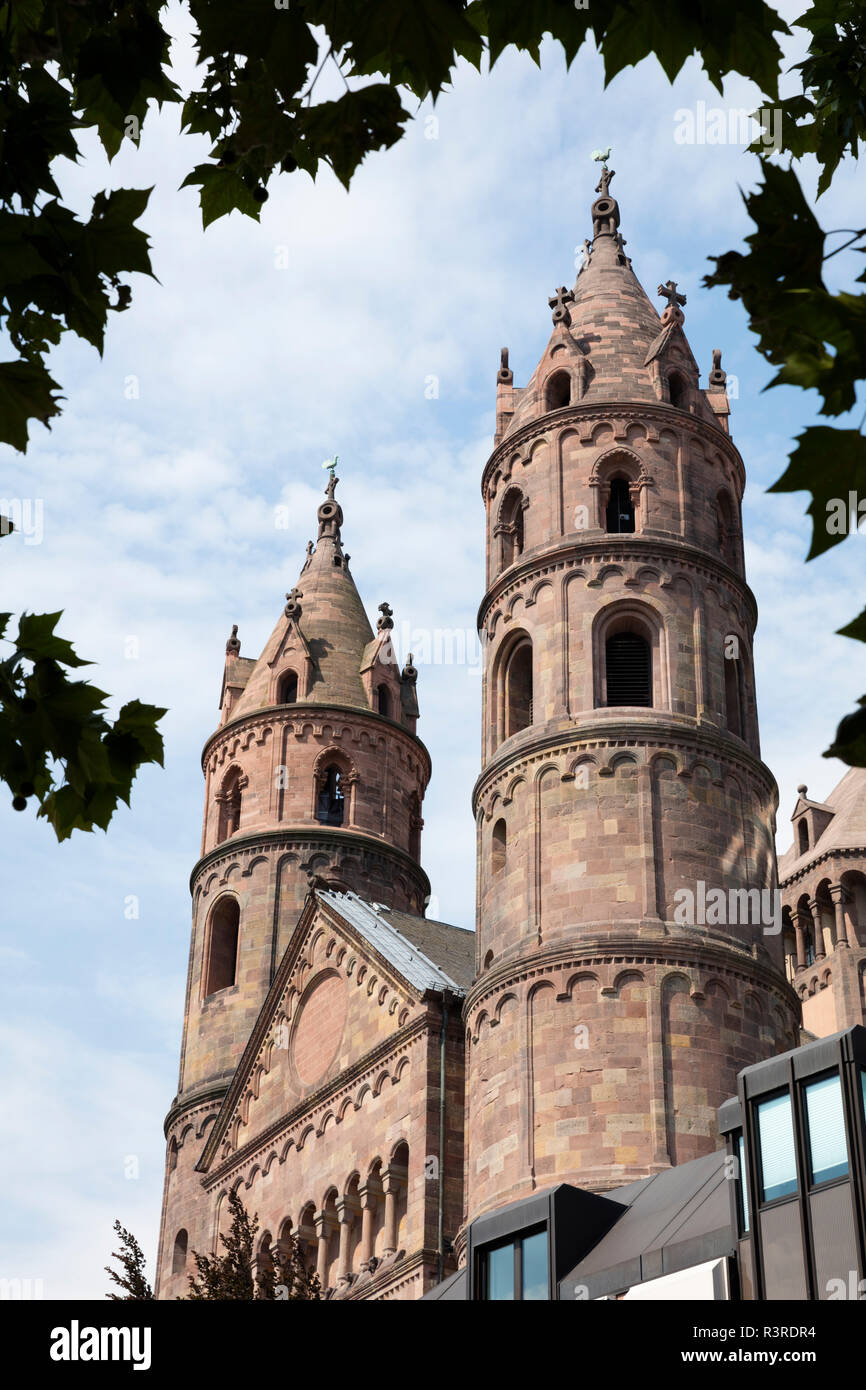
[816,338]
[56,744]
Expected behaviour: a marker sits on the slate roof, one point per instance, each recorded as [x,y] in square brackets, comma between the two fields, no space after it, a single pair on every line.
[675,1219]
[428,954]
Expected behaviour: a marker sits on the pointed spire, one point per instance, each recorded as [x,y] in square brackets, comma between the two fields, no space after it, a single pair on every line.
[330,625]
[330,513]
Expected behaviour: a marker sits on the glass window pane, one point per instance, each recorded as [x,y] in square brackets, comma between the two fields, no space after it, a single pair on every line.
[863,1090]
[500,1273]
[776,1137]
[744,1191]
[828,1151]
[535,1266]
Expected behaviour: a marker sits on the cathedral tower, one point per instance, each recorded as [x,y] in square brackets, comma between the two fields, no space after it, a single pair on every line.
[628,964]
[314,777]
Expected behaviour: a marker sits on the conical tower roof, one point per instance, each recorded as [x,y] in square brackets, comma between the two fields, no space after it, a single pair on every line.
[612,319]
[323,625]
[607,334]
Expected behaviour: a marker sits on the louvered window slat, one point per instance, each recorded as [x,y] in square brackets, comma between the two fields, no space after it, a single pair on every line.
[629,670]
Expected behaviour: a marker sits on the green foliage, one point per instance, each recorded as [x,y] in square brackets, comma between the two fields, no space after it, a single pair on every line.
[132,1278]
[56,744]
[815,337]
[102,64]
[231,1275]
[64,68]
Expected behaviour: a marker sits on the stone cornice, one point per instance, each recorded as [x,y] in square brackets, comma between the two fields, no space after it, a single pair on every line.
[834,852]
[319,714]
[269,840]
[639,731]
[625,950]
[612,412]
[204,1096]
[639,546]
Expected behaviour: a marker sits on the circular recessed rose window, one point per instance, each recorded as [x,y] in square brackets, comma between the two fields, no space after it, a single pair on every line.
[319,1027]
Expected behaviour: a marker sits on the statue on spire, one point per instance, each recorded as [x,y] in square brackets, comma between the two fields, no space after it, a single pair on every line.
[605,209]
[331,465]
[330,513]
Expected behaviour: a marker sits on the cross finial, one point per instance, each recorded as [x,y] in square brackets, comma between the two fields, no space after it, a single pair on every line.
[559,304]
[386,622]
[293,607]
[668,291]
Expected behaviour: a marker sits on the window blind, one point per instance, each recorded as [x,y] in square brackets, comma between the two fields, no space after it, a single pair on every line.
[828,1150]
[776,1137]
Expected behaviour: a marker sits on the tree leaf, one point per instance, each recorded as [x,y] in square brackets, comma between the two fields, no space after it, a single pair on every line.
[831,464]
[27,392]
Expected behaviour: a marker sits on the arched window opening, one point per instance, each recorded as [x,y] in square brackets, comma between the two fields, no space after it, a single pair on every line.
[809,940]
[308,1241]
[221,971]
[329,1259]
[789,943]
[229,802]
[338,561]
[518,689]
[558,394]
[628,669]
[802,835]
[488,960]
[172,1155]
[178,1259]
[733,702]
[499,847]
[331,802]
[376,1205]
[805,925]
[265,1260]
[399,1172]
[619,518]
[511,527]
[678,391]
[287,690]
[383,701]
[854,905]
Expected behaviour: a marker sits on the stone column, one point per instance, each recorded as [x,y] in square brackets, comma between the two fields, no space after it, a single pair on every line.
[391,1188]
[323,1221]
[817,928]
[801,938]
[352,782]
[369,1200]
[845,934]
[346,1212]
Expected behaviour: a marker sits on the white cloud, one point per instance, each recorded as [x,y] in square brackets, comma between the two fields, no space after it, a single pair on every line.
[159,523]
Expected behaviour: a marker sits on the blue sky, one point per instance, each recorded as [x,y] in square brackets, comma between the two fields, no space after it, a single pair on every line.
[159,533]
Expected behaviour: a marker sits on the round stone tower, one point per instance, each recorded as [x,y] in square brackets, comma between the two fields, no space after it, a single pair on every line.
[629,956]
[314,775]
